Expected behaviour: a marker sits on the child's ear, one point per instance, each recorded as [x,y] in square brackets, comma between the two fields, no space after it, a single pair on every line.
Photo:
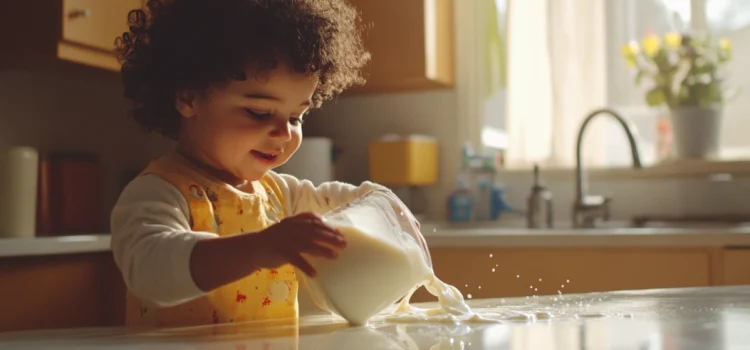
[184,102]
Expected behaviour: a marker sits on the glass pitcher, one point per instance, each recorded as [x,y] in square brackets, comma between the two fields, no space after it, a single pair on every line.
[386,257]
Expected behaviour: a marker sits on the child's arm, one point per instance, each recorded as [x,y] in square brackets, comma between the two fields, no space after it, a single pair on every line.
[303,196]
[152,241]
[164,262]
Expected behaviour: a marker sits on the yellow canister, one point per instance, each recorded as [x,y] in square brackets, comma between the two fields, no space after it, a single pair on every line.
[404,160]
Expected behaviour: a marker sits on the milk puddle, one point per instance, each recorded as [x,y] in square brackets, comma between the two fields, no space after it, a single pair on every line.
[452,308]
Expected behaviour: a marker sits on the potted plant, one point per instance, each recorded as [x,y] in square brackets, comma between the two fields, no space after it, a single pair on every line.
[684,74]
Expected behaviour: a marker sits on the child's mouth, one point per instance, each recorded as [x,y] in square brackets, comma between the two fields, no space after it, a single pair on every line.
[265,157]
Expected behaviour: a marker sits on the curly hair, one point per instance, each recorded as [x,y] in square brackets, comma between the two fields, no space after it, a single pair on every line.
[179,45]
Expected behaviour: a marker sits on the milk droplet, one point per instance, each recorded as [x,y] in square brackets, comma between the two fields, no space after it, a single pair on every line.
[540,280]
[567,281]
[531,287]
[518,276]
[562,286]
[480,287]
[402,213]
[434,230]
[536,290]
[493,269]
[490,255]
[559,292]
[467,286]
[496,265]
[468,296]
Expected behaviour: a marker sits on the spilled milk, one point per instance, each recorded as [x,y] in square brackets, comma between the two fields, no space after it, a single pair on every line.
[376,270]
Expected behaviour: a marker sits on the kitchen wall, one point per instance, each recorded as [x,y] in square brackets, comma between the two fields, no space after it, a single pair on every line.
[353,121]
[56,111]
[642,196]
[82,112]
[75,112]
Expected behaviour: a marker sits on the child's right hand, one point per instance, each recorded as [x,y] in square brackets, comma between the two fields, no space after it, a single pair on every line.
[305,233]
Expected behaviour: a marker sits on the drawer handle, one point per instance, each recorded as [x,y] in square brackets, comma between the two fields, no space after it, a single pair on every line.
[79,14]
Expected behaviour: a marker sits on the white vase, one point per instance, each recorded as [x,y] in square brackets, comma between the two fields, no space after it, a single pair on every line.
[696,131]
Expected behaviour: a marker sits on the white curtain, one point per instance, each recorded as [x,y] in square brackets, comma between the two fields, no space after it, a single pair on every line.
[556,76]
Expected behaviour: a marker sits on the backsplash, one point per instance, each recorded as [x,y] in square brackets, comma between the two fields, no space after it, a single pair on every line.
[653,197]
[73,113]
[353,121]
[61,112]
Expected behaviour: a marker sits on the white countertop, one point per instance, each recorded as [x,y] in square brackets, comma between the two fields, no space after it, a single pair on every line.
[457,236]
[694,318]
[10,247]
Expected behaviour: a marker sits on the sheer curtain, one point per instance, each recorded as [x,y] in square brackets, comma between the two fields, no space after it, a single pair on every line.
[556,76]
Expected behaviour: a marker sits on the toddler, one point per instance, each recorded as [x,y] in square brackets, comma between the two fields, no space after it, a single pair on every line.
[209,233]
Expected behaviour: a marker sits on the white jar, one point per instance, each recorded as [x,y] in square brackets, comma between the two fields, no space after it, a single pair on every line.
[19,168]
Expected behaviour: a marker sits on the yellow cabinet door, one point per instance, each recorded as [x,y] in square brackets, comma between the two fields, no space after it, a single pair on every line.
[96,23]
[411,43]
[736,267]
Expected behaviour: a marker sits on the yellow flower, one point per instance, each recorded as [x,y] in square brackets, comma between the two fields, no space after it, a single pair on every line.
[630,50]
[651,45]
[673,40]
[725,45]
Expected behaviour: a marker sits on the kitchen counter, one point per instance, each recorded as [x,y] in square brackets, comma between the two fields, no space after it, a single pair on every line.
[12,247]
[616,234]
[457,236]
[691,318]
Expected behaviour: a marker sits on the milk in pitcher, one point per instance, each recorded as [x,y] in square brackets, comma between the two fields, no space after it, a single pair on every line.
[372,273]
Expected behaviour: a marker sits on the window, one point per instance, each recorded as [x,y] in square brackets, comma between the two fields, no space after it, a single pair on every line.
[546,64]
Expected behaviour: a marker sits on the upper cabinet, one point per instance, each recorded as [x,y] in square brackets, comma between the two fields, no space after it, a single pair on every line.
[35,34]
[411,43]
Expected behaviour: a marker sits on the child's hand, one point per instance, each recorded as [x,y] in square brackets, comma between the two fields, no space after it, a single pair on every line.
[305,233]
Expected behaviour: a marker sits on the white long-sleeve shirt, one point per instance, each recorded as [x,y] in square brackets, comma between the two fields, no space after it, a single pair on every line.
[152,240]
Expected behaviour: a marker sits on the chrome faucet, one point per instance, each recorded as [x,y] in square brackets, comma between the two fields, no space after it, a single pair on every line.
[588,208]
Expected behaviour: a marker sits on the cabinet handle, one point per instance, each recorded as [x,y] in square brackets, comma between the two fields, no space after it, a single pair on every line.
[79,14]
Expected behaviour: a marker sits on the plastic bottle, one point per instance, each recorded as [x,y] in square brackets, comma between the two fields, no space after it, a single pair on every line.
[461,202]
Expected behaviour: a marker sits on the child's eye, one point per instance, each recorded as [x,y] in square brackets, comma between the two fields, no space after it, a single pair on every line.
[258,115]
[296,121]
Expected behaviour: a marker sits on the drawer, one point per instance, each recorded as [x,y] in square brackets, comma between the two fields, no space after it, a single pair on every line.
[96,23]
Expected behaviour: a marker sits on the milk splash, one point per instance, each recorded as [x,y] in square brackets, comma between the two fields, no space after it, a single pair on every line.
[453,307]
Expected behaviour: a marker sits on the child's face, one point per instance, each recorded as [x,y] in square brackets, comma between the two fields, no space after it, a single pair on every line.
[247,128]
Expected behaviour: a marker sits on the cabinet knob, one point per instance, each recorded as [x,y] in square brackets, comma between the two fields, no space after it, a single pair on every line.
[84,13]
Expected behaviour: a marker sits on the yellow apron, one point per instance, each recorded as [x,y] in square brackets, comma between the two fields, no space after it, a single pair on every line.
[220,208]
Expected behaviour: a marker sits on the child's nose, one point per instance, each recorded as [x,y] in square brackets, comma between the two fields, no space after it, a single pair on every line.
[282,131]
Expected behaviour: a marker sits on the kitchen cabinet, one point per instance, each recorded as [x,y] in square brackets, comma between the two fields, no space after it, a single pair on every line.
[411,43]
[58,32]
[736,267]
[549,271]
[61,291]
